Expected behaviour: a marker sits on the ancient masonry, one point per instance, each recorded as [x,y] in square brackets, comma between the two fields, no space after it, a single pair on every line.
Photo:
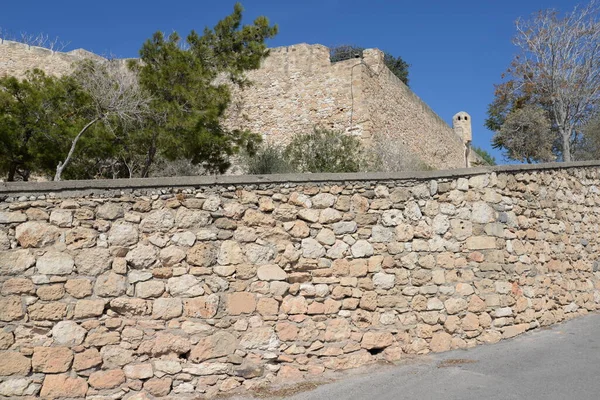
[179,288]
[297,89]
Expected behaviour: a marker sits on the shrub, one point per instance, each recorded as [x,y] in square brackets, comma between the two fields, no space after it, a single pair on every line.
[269,159]
[325,151]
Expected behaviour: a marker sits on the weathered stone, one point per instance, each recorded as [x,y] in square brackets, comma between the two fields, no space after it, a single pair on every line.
[159,221]
[6,339]
[142,256]
[68,333]
[482,213]
[379,234]
[172,255]
[455,305]
[54,311]
[115,356]
[63,386]
[230,253]
[106,379]
[15,387]
[80,238]
[344,227]
[441,341]
[168,344]
[14,363]
[61,218]
[12,217]
[362,248]
[93,261]
[271,272]
[51,360]
[188,219]
[376,340]
[294,305]
[87,359]
[89,308]
[15,262]
[381,280]
[109,211]
[261,338]
[326,237]
[79,288]
[110,285]
[241,303]
[312,249]
[55,263]
[138,371]
[36,234]
[149,289]
[165,308]
[201,307]
[18,286]
[185,286]
[51,292]
[122,234]
[481,242]
[202,255]
[158,387]
[329,216]
[257,254]
[218,345]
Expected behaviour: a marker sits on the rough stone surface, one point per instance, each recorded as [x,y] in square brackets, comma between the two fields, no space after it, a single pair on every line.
[260,288]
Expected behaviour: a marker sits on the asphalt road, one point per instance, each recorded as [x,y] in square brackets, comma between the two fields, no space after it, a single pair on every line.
[558,363]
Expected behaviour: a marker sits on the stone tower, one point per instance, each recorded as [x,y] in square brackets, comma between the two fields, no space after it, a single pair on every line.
[461,123]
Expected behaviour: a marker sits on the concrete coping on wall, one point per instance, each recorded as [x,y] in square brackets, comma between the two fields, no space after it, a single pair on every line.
[25,188]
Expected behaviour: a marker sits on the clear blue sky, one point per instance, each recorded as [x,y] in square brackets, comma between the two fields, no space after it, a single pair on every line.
[457,49]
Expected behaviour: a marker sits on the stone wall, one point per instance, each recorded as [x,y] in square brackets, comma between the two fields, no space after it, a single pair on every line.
[297,89]
[16,58]
[195,286]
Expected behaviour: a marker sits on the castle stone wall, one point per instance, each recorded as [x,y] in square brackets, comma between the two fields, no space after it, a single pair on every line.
[297,89]
[192,287]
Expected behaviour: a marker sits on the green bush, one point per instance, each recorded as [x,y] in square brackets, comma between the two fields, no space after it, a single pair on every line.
[325,151]
[269,159]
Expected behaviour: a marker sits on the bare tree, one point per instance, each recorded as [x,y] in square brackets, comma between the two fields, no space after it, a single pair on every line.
[559,60]
[116,98]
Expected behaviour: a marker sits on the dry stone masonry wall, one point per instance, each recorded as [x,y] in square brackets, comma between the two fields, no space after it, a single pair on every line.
[185,292]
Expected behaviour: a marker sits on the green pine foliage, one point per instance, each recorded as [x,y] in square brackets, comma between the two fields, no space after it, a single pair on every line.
[491,160]
[190,82]
[397,65]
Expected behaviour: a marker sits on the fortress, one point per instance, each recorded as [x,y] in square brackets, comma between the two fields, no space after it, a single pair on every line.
[298,88]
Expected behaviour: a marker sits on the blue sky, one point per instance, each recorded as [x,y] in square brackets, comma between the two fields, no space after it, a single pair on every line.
[457,49]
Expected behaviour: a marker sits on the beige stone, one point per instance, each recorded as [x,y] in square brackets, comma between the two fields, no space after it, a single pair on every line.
[54,311]
[241,303]
[106,379]
[267,306]
[14,363]
[166,308]
[88,308]
[18,286]
[51,292]
[36,234]
[87,359]
[376,340]
[6,339]
[441,341]
[62,385]
[158,387]
[294,305]
[201,307]
[218,345]
[79,288]
[11,308]
[51,359]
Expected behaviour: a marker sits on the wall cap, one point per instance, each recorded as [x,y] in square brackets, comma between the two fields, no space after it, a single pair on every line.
[12,188]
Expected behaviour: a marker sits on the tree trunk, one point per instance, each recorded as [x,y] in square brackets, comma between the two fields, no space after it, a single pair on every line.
[566,150]
[149,158]
[61,165]
[11,172]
